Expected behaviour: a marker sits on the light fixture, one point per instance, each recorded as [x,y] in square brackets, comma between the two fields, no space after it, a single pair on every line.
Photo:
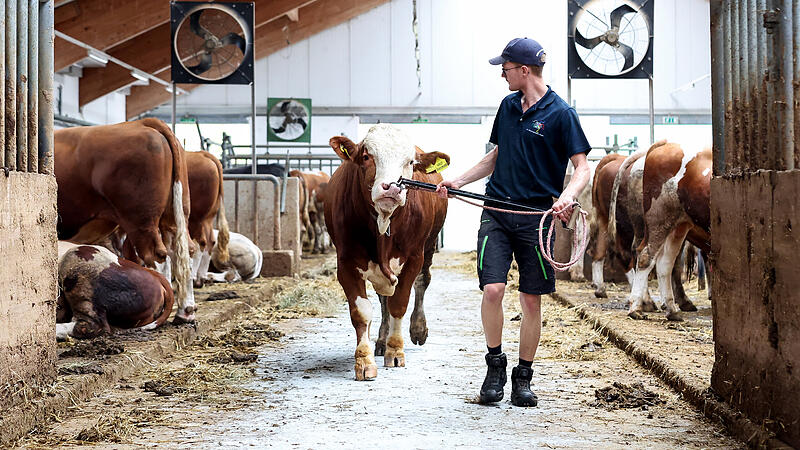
[99,57]
[139,76]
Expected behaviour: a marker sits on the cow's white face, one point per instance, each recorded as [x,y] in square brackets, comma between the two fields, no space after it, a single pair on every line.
[393,156]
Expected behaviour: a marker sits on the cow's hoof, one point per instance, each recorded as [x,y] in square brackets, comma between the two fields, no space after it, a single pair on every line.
[394,358]
[180,320]
[637,315]
[380,347]
[600,293]
[649,306]
[674,316]
[419,335]
[366,371]
[687,306]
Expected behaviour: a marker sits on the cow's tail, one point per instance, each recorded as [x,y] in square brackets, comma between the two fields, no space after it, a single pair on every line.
[612,210]
[182,264]
[224,235]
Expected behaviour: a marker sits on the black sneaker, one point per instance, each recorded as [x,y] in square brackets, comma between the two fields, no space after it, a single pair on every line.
[492,389]
[521,394]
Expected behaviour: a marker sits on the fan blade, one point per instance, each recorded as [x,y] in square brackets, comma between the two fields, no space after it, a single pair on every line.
[235,39]
[194,24]
[627,52]
[205,64]
[616,15]
[587,43]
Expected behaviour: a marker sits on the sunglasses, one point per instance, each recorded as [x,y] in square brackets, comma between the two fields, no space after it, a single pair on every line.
[510,68]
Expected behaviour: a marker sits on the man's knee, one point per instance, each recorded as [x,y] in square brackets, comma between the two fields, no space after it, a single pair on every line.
[530,301]
[493,293]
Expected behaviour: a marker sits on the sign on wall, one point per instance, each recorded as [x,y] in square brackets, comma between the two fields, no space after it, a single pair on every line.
[289,119]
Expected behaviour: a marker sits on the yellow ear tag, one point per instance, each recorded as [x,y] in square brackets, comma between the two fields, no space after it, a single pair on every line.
[438,166]
[344,150]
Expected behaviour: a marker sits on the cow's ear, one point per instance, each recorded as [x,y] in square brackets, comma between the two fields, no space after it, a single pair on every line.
[431,162]
[343,147]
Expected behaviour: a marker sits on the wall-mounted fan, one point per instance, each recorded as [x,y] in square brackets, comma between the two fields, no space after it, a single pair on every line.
[610,38]
[289,119]
[212,43]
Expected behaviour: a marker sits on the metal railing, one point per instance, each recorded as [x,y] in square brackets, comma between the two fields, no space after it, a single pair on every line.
[323,159]
[26,86]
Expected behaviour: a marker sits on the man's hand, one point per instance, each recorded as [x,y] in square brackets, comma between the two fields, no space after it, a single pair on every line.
[441,188]
[563,208]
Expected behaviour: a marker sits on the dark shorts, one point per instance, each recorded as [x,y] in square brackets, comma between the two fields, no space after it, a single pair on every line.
[503,235]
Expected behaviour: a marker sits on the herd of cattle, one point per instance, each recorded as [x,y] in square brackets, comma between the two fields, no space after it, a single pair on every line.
[137,212]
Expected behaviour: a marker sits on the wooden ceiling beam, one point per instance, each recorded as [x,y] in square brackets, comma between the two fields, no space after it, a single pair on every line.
[314,18]
[149,52]
[103,24]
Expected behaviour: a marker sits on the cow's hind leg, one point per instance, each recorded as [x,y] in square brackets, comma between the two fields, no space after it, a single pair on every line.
[664,265]
[677,286]
[644,265]
[380,344]
[419,325]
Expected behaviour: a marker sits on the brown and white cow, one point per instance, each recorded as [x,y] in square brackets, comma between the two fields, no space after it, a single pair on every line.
[602,186]
[384,235]
[133,176]
[312,184]
[99,290]
[244,262]
[206,194]
[675,205]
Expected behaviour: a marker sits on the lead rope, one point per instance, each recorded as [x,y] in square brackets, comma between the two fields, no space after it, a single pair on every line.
[578,242]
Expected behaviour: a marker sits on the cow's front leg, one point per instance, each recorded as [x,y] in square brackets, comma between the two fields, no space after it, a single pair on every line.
[380,344]
[397,305]
[361,318]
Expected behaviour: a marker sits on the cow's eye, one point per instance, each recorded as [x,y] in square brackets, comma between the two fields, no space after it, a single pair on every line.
[366,157]
[411,163]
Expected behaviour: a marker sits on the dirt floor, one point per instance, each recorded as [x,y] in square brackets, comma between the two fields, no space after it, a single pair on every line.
[282,376]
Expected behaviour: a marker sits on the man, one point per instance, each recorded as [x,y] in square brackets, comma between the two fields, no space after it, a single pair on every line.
[535,133]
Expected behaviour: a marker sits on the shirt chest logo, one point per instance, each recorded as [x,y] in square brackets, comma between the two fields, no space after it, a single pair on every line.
[537,128]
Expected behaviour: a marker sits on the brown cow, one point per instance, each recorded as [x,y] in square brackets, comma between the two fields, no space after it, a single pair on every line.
[676,189]
[602,185]
[99,290]
[206,194]
[312,216]
[378,230]
[133,176]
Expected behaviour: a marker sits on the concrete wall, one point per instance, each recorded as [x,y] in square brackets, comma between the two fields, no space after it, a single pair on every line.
[756,281]
[27,281]
[239,209]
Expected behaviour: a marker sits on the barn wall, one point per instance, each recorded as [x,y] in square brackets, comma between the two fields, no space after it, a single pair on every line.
[27,281]
[756,280]
[754,199]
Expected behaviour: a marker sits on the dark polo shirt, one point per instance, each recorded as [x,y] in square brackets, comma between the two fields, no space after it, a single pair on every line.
[534,148]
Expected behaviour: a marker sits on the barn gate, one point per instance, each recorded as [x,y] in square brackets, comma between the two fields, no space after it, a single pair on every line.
[755,204]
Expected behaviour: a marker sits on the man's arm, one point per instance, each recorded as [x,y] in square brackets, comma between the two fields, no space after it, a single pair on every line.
[580,177]
[483,169]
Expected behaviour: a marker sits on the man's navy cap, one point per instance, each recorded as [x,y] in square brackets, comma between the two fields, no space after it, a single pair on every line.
[523,51]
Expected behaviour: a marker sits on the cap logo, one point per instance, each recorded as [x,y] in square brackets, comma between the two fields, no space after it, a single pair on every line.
[541,55]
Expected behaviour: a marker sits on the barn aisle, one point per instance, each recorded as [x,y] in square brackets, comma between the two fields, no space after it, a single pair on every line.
[301,393]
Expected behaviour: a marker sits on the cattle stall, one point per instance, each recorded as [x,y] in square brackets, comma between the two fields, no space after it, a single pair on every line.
[754,205]
[27,199]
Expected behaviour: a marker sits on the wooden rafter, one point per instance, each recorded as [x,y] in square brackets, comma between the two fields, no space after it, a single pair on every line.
[150,50]
[313,18]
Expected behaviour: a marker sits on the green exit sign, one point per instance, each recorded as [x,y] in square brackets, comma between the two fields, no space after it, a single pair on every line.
[188,120]
[670,120]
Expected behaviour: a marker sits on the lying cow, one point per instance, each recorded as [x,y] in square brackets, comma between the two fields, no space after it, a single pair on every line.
[244,262]
[676,189]
[384,235]
[133,176]
[99,291]
[206,194]
[312,186]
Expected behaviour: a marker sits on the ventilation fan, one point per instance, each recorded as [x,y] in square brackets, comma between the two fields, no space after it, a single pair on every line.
[289,119]
[610,38]
[212,43]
